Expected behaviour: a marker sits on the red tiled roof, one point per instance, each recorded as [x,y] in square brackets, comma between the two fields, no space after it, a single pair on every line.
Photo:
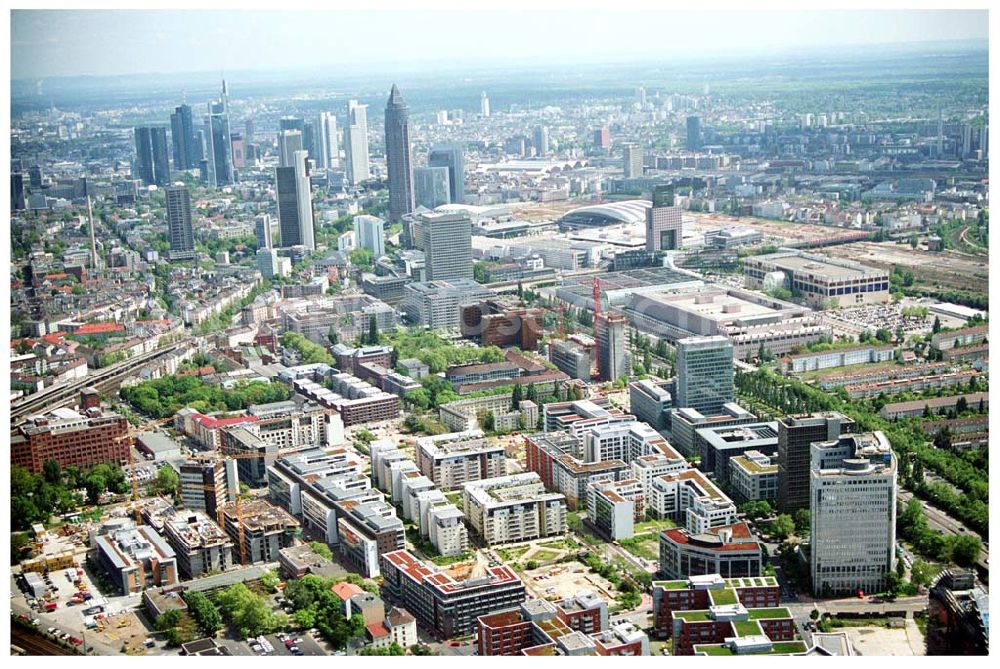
[377,630]
[346,590]
[214,423]
[99,328]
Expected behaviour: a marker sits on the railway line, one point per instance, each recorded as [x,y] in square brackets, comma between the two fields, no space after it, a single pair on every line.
[102,379]
[35,644]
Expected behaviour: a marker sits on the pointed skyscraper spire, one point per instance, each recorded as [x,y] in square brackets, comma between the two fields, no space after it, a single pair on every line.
[395,97]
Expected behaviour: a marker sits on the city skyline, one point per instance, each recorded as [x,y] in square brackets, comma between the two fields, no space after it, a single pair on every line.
[57,43]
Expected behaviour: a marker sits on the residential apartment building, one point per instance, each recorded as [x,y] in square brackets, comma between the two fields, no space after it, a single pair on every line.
[649,400]
[454,459]
[448,602]
[613,507]
[209,484]
[690,498]
[200,546]
[514,508]
[259,530]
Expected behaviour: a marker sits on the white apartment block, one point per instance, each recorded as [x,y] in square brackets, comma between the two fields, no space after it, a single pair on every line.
[690,498]
[447,531]
[852,490]
[454,459]
[615,506]
[622,441]
[514,508]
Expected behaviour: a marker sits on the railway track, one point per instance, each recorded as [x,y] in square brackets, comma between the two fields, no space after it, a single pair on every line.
[101,379]
[35,644]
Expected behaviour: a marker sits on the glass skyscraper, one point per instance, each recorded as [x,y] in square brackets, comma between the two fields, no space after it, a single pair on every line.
[704,374]
[397,155]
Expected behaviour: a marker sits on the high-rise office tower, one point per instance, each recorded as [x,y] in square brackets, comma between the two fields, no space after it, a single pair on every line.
[632,160]
[447,245]
[220,149]
[397,155]
[289,142]
[795,435]
[640,96]
[35,176]
[541,140]
[295,215]
[309,142]
[239,151]
[602,138]
[984,140]
[704,373]
[484,104]
[370,234]
[453,157]
[16,191]
[852,531]
[186,154]
[611,345]
[262,230]
[356,142]
[329,148]
[431,186]
[152,157]
[248,129]
[693,133]
[663,221]
[179,226]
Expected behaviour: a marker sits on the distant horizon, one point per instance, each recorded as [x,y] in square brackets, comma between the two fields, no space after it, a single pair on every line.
[54,44]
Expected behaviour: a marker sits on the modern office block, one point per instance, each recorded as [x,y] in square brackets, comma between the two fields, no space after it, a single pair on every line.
[447,243]
[451,156]
[370,234]
[356,142]
[431,185]
[663,222]
[289,141]
[295,215]
[704,373]
[852,490]
[795,435]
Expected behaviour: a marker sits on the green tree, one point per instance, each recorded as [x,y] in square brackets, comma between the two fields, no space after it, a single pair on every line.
[269,581]
[167,480]
[372,331]
[516,397]
[204,612]
[52,472]
[965,549]
[489,422]
[802,521]
[247,613]
[321,549]
[937,325]
[783,526]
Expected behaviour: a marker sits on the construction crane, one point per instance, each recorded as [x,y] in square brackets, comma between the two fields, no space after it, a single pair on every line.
[216,456]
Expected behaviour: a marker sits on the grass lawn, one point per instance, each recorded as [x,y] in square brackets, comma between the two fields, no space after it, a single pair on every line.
[858,622]
[789,647]
[747,627]
[671,585]
[643,545]
[757,614]
[543,555]
[444,561]
[723,597]
[713,649]
[692,616]
[654,526]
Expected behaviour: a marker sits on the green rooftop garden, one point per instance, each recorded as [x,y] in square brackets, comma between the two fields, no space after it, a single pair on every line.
[751,582]
[789,647]
[757,614]
[747,627]
[692,616]
[716,649]
[723,596]
[671,585]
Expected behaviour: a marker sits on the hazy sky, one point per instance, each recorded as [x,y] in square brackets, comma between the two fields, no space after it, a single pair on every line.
[58,43]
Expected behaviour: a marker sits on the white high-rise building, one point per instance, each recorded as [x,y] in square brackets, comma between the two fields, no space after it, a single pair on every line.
[852,498]
[329,148]
[289,141]
[369,232]
[356,142]
[484,104]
